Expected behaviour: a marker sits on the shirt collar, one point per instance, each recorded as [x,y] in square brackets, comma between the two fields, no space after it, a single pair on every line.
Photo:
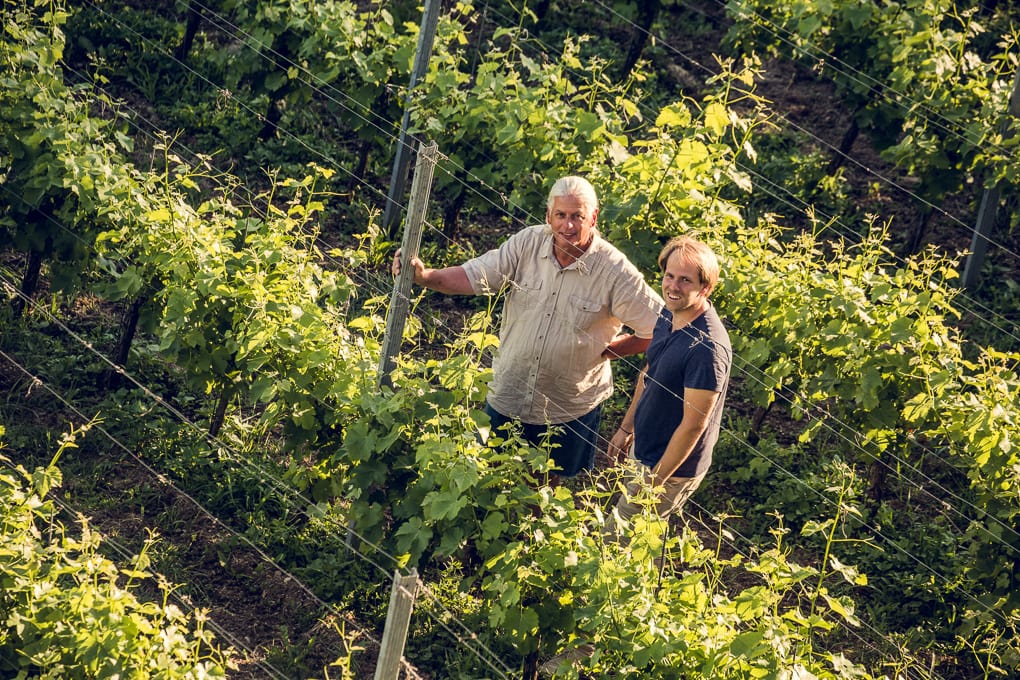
[583,264]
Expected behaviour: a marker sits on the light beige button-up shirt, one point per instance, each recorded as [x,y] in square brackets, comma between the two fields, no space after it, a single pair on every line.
[557,321]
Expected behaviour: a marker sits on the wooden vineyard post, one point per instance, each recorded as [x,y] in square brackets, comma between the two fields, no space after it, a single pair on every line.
[396,317]
[398,619]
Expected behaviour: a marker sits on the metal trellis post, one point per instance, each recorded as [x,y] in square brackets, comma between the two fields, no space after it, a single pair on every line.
[398,178]
[989,203]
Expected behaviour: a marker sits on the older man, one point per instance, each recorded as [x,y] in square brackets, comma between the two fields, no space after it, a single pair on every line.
[569,295]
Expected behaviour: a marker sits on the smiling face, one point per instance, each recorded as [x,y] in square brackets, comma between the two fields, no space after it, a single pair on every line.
[683,291]
[573,226]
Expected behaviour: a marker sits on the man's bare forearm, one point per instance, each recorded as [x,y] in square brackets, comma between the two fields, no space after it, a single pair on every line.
[626,345]
[451,280]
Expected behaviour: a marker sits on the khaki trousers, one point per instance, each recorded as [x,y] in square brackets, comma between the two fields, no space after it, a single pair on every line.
[677,491]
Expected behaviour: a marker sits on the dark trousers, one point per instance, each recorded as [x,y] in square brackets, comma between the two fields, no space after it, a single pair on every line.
[573,443]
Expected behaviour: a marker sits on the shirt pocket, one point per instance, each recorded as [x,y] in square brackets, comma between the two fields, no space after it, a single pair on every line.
[585,311]
[523,297]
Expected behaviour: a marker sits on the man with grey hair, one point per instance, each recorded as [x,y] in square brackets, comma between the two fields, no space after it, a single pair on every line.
[569,293]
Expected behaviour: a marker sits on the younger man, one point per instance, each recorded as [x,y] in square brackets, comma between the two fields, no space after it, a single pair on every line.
[673,420]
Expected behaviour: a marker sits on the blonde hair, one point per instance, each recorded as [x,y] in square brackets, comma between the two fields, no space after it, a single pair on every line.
[695,252]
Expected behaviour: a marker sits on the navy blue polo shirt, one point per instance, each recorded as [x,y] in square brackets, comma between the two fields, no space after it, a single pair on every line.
[697,356]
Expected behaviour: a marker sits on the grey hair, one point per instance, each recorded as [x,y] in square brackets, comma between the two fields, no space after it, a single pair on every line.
[572,185]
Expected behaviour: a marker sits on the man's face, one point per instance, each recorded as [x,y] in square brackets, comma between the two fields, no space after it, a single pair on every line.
[682,288]
[572,223]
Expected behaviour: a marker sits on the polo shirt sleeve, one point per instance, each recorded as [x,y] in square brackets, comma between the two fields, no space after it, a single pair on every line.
[708,368]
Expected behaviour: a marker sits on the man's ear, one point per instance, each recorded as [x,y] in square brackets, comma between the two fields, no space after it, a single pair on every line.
[594,216]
